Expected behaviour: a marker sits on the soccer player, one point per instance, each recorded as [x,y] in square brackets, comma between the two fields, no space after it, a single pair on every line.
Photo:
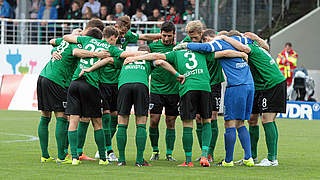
[195,33]
[52,86]
[133,90]
[194,94]
[83,95]
[238,98]
[163,94]
[270,95]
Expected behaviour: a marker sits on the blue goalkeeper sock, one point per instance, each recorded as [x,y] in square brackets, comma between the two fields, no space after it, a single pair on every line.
[230,140]
[244,137]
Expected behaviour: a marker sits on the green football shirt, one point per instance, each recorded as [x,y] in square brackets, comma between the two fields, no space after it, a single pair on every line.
[215,70]
[187,39]
[92,44]
[162,81]
[137,72]
[109,73]
[61,71]
[264,69]
[193,65]
[130,37]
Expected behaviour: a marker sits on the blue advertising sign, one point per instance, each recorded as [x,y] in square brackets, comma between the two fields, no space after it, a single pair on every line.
[301,110]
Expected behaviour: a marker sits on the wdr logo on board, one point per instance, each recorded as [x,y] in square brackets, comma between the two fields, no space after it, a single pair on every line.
[298,111]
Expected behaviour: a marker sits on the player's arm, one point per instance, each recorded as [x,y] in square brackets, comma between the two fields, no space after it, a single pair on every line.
[147,57]
[230,54]
[70,38]
[126,54]
[236,44]
[52,42]
[149,37]
[82,53]
[97,65]
[165,65]
[259,40]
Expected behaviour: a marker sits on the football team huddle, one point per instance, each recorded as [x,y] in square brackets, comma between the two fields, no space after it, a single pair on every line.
[91,77]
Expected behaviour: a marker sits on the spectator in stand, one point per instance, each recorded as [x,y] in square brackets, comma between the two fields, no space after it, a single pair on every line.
[157,28]
[188,15]
[165,8]
[34,9]
[47,12]
[139,17]
[94,6]
[103,12]
[174,16]
[287,61]
[74,12]
[155,15]
[6,11]
[87,13]
[119,10]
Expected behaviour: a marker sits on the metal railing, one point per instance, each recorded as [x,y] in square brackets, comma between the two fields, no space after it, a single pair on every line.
[27,31]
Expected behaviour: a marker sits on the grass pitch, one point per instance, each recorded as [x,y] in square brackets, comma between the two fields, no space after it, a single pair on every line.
[299,156]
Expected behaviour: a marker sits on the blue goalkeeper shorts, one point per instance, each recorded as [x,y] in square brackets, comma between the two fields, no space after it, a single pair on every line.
[238,101]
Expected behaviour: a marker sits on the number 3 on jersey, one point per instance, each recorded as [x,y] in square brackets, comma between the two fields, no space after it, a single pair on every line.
[192,58]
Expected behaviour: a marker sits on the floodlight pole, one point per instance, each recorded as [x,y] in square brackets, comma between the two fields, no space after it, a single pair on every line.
[234,14]
[197,9]
[216,12]
[252,15]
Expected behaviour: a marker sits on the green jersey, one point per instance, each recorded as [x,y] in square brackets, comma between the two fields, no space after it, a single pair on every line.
[130,37]
[264,69]
[92,44]
[137,72]
[215,70]
[109,73]
[193,65]
[187,39]
[162,81]
[60,71]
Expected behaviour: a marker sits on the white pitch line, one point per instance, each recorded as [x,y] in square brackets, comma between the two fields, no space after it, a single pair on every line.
[31,138]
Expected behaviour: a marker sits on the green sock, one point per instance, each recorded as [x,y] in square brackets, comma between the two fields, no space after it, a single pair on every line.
[106,123]
[254,137]
[43,134]
[66,140]
[270,133]
[73,140]
[61,135]
[82,134]
[141,139]
[277,137]
[170,139]
[114,123]
[214,138]
[206,138]
[100,141]
[187,140]
[154,138]
[199,133]
[122,141]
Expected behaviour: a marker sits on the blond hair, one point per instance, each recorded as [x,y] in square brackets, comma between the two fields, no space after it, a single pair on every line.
[194,27]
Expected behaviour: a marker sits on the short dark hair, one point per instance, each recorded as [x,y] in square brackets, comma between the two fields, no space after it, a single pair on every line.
[95,33]
[109,31]
[138,10]
[168,26]
[94,22]
[209,32]
[144,48]
[288,44]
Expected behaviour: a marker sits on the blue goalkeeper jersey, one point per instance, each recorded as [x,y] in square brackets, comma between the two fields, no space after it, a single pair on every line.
[236,69]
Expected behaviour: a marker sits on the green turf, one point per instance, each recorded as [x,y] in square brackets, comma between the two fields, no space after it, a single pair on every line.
[298,154]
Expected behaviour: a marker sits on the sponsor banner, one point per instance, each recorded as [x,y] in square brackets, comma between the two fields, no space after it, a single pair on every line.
[19,92]
[301,110]
[27,59]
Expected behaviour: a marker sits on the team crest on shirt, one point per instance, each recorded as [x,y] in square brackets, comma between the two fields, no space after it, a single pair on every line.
[122,40]
[151,106]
